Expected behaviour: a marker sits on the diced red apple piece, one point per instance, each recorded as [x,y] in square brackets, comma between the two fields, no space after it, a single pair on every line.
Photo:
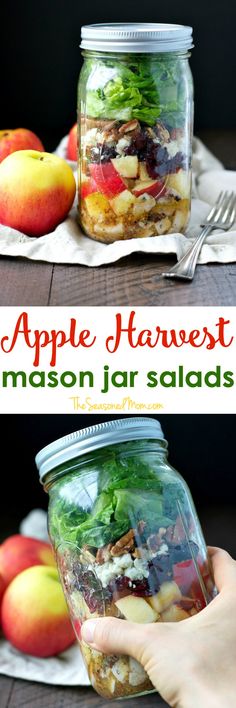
[186,576]
[107,179]
[150,186]
[169,592]
[136,609]
[180,181]
[127,166]
[88,186]
[142,171]
[122,202]
[98,206]
[174,614]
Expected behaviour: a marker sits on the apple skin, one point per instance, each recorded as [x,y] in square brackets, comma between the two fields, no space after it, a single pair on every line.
[18,139]
[34,613]
[71,152]
[37,190]
[20,552]
[107,179]
[153,187]
[2,590]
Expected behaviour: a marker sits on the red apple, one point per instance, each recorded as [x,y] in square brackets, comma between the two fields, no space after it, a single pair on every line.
[108,180]
[154,187]
[20,552]
[71,152]
[19,139]
[34,613]
[2,590]
[88,186]
[37,190]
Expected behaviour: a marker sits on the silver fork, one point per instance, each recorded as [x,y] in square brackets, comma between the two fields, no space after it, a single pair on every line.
[221,216]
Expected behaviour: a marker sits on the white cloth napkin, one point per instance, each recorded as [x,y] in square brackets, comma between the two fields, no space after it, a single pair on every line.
[66,669]
[67,244]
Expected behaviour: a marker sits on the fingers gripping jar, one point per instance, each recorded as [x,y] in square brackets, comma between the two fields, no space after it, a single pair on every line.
[135,115]
[126,537]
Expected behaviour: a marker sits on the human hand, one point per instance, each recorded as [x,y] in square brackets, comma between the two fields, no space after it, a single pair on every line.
[191,663]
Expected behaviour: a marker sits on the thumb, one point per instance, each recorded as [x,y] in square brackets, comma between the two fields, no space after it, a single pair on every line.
[224,568]
[115,636]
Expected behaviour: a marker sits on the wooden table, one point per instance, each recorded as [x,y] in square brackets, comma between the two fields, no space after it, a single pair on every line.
[19,694]
[134,280]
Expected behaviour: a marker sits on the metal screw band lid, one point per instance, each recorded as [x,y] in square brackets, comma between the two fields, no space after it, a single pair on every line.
[136,37]
[96,436]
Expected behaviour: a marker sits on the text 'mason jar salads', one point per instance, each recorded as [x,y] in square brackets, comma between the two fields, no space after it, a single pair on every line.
[135,114]
[126,537]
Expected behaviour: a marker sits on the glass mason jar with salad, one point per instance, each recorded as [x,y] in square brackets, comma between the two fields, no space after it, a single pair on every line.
[126,537]
[135,116]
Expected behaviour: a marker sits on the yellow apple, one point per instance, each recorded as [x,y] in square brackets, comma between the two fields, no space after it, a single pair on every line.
[18,139]
[34,613]
[20,552]
[37,190]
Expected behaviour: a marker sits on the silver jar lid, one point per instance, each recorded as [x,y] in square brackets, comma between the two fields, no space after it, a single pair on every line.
[136,37]
[94,437]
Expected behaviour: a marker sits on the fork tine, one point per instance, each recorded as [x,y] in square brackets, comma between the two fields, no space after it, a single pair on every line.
[227,207]
[214,208]
[221,207]
[232,214]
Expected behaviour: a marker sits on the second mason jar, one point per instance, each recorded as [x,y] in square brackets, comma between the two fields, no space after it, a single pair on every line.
[126,537]
[135,116]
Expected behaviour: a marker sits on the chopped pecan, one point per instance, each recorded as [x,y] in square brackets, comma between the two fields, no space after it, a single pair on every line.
[141,526]
[103,554]
[155,540]
[170,534]
[128,127]
[110,125]
[111,136]
[88,123]
[87,555]
[150,132]
[124,545]
[162,132]
[110,132]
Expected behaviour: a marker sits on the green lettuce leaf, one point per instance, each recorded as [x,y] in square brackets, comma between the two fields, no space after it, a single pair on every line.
[146,89]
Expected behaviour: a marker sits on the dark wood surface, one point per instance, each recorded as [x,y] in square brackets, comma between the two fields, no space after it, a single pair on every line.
[135,280]
[22,694]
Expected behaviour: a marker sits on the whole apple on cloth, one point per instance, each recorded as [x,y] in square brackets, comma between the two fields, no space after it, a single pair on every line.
[37,190]
[18,139]
[67,244]
[34,613]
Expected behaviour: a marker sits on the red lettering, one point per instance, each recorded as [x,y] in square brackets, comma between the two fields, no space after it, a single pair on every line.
[40,339]
[196,338]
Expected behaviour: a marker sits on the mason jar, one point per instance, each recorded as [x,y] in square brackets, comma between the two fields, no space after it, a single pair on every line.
[135,118]
[126,537]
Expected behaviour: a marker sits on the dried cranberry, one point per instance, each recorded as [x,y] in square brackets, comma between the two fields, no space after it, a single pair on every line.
[86,582]
[142,588]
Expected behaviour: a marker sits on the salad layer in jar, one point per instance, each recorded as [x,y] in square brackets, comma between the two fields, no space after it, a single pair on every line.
[135,125]
[135,551]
